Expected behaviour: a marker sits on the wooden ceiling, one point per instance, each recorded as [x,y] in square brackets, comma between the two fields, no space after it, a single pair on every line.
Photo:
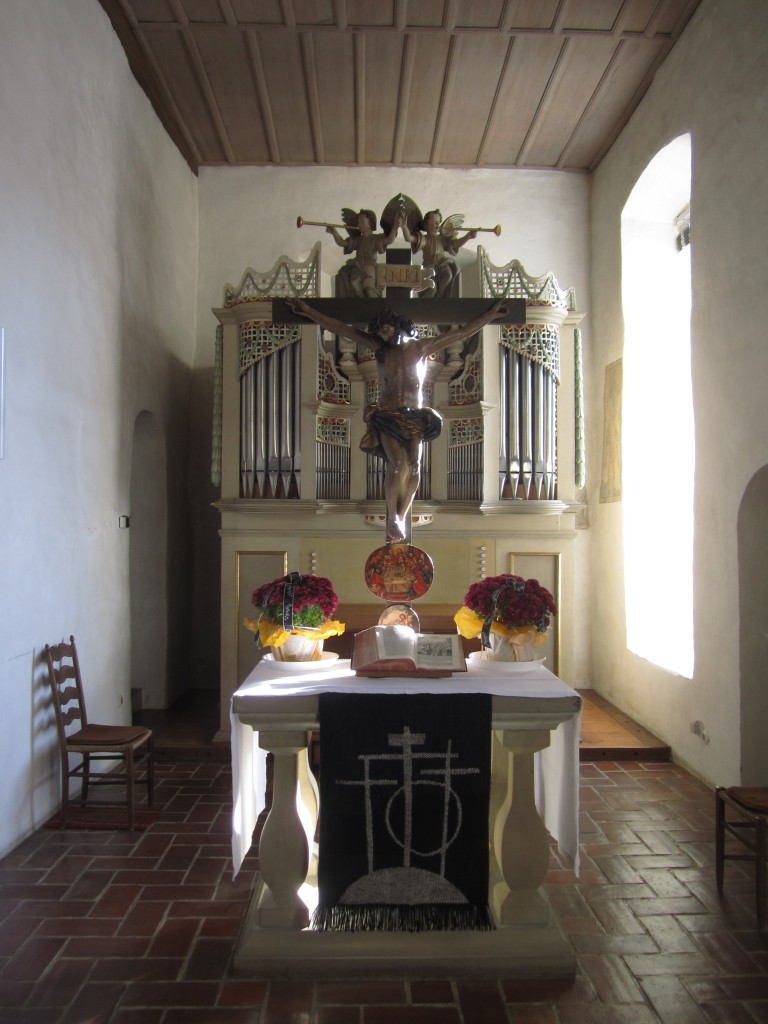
[422,83]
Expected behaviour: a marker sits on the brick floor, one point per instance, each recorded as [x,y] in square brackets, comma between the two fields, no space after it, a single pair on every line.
[120,928]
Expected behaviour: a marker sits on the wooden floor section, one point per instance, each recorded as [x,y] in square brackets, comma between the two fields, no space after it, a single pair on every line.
[185,732]
[607,734]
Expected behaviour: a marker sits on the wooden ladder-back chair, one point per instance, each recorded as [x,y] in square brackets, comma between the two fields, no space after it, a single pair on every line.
[93,742]
[742,812]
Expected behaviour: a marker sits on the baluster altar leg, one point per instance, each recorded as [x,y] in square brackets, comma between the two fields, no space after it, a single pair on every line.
[283,847]
[521,842]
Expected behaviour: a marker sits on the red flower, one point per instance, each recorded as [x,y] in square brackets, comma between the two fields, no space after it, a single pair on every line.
[314,599]
[512,600]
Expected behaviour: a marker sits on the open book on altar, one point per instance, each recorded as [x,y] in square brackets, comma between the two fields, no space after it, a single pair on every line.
[400,651]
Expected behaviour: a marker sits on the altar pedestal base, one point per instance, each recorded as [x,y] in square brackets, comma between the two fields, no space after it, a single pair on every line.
[536,950]
[275,940]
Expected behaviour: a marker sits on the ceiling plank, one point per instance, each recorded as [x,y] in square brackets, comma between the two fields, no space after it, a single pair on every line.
[358,42]
[313,99]
[379,82]
[446,95]
[611,135]
[508,15]
[334,68]
[520,92]
[544,104]
[227,11]
[262,93]
[403,96]
[478,67]
[289,18]
[592,102]
[152,80]
[494,113]
[203,80]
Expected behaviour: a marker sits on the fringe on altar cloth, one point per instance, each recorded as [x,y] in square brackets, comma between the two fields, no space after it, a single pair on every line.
[420,917]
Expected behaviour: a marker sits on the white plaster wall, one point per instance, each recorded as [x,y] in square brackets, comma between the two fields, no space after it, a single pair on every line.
[98,245]
[248,219]
[715,86]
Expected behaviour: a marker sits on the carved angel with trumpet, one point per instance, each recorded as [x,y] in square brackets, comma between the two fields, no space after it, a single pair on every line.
[357,278]
[436,238]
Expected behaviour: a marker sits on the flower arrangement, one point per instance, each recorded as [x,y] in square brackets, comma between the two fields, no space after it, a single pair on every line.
[294,605]
[508,607]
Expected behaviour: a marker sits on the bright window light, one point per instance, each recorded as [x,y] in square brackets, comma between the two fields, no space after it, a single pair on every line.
[658,449]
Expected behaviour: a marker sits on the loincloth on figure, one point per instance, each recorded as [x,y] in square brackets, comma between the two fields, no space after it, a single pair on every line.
[405,425]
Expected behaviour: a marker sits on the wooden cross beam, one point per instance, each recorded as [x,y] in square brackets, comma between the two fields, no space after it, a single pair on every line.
[421,311]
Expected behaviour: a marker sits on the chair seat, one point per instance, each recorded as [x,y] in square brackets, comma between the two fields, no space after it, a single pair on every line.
[752,798]
[93,735]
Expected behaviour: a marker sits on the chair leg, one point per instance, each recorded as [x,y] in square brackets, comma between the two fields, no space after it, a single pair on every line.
[86,774]
[151,771]
[719,838]
[760,872]
[64,788]
[129,784]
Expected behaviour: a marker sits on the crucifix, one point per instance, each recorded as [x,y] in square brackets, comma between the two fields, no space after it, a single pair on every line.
[399,423]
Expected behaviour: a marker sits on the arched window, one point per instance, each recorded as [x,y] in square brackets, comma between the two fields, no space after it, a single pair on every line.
[657,416]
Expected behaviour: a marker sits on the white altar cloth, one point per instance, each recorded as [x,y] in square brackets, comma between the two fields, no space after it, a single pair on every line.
[557,766]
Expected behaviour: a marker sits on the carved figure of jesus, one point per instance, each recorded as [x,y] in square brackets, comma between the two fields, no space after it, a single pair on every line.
[399,423]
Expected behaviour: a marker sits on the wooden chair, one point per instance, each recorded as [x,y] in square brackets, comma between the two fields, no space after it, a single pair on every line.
[93,742]
[742,812]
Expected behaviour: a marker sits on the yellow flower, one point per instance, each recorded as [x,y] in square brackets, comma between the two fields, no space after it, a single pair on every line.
[271,634]
[471,625]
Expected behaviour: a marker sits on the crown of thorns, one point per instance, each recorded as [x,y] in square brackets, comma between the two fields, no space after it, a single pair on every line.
[402,324]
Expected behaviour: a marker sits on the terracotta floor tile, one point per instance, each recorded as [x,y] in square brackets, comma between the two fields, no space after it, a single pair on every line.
[105,927]
[174,938]
[672,1001]
[208,960]
[136,1016]
[733,1013]
[409,1015]
[167,993]
[146,968]
[669,934]
[643,966]
[14,993]
[99,946]
[93,1003]
[439,990]
[337,1015]
[481,1002]
[32,959]
[612,982]
[243,993]
[368,992]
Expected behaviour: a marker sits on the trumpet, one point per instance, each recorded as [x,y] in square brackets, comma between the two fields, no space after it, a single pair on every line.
[496,231]
[300,222]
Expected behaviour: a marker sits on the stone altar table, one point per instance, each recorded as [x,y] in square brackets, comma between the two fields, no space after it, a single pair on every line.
[534,791]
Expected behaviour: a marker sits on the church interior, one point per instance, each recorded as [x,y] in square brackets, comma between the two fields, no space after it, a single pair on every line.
[171,167]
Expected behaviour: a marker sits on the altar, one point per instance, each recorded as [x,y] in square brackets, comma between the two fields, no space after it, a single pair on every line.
[534,796]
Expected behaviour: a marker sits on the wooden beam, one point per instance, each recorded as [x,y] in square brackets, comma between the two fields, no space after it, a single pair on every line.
[421,311]
[148,76]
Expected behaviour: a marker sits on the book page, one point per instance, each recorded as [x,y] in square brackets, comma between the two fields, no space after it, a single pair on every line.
[396,642]
[435,650]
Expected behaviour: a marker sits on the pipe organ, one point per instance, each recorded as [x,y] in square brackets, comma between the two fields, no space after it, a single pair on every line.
[497,486]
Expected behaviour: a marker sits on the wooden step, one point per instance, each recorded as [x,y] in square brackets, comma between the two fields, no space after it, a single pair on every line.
[608,734]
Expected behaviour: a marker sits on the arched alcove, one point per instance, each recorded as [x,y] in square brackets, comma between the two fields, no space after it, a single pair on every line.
[149,563]
[753,635]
